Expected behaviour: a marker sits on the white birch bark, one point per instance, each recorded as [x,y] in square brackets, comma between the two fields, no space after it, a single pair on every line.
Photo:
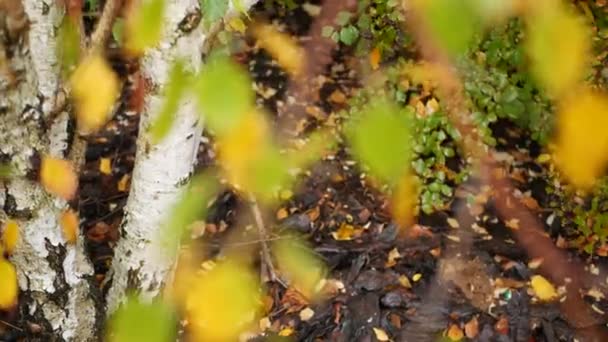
[142,260]
[55,278]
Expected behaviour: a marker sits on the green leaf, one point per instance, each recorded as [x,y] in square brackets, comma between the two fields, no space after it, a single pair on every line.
[380,138]
[69,44]
[177,84]
[327,31]
[118,30]
[136,321]
[349,34]
[224,94]
[145,28]
[453,23]
[213,10]
[343,18]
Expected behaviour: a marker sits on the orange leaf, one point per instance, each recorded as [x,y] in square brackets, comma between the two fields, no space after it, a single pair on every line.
[8,285]
[404,201]
[58,177]
[10,236]
[374,59]
[69,225]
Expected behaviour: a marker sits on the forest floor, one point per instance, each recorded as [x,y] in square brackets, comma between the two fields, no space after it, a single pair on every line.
[459,273]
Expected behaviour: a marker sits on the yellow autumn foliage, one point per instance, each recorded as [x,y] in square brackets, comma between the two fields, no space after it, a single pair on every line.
[95,89]
[58,177]
[281,46]
[581,144]
[68,220]
[10,235]
[239,149]
[223,302]
[558,44]
[404,200]
[543,289]
[8,285]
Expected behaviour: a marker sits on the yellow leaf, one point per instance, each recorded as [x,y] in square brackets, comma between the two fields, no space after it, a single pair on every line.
[239,149]
[237,24]
[374,58]
[404,201]
[281,46]
[346,232]
[69,225]
[543,289]
[558,44]
[58,177]
[8,285]
[105,166]
[94,88]
[581,147]
[381,335]
[455,333]
[123,183]
[223,302]
[288,331]
[10,236]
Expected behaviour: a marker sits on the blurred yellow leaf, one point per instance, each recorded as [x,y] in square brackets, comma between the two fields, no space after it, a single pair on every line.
[123,183]
[281,46]
[144,25]
[581,146]
[404,200]
[95,89]
[237,24]
[287,331]
[58,177]
[558,44]
[10,236]
[223,302]
[298,263]
[8,285]
[68,220]
[543,289]
[105,166]
[374,58]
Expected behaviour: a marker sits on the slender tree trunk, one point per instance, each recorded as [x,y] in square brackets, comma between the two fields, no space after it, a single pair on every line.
[55,278]
[142,260]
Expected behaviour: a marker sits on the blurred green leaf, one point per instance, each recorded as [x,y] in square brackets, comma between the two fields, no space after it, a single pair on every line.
[349,34]
[298,263]
[224,94]
[146,24]
[6,171]
[177,84]
[118,30]
[136,321]
[380,138]
[69,44]
[453,23]
[213,10]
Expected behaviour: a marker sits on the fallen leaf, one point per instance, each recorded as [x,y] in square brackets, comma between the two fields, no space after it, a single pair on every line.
[543,289]
[306,314]
[502,326]
[105,166]
[281,214]
[58,177]
[69,225]
[287,331]
[8,285]
[346,232]
[404,200]
[93,102]
[452,222]
[374,58]
[123,183]
[381,335]
[405,282]
[471,328]
[10,236]
[455,333]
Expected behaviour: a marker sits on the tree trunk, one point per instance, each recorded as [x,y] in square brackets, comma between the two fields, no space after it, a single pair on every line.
[142,260]
[55,278]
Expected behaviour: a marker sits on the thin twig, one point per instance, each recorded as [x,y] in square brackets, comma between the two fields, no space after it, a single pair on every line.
[10,325]
[267,265]
[102,32]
